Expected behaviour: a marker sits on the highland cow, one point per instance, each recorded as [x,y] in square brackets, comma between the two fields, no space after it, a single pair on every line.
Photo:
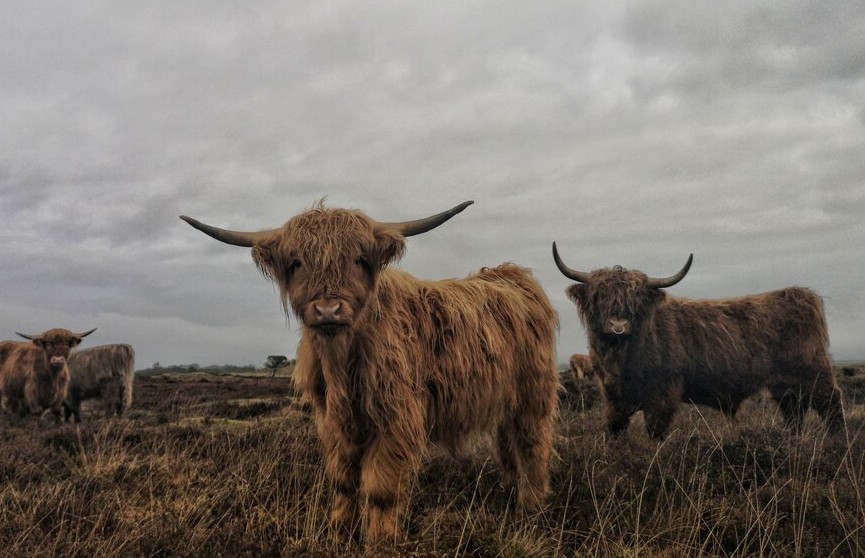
[653,351]
[34,377]
[105,372]
[581,366]
[393,363]
[574,381]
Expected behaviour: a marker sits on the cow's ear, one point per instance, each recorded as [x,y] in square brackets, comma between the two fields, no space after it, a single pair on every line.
[389,246]
[75,341]
[39,342]
[577,293]
[263,256]
[657,296]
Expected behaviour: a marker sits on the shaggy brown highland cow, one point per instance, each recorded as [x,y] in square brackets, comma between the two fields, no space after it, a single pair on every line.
[105,372]
[652,351]
[393,363]
[34,377]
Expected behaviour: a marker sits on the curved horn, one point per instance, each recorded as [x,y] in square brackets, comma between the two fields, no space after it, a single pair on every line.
[673,279]
[579,276]
[32,337]
[235,238]
[411,228]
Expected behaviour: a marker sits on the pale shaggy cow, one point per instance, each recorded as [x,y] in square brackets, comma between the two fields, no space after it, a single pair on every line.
[393,363]
[105,372]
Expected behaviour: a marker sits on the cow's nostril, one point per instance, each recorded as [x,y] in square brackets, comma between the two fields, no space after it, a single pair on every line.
[328,312]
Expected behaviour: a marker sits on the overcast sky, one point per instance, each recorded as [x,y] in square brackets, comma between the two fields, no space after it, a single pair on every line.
[631,134]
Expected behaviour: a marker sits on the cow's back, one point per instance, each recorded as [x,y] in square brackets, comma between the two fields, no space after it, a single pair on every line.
[479,348]
[93,366]
[730,346]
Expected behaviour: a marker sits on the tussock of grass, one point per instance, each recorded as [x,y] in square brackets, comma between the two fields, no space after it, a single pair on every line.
[232,468]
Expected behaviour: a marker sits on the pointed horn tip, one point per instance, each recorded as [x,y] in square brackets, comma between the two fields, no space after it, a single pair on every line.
[460,207]
[556,255]
[673,279]
[573,274]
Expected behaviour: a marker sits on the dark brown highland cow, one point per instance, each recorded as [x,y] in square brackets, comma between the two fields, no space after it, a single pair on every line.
[652,351]
[393,363]
[105,372]
[34,376]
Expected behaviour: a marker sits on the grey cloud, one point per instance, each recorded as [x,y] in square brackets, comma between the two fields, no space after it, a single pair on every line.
[629,134]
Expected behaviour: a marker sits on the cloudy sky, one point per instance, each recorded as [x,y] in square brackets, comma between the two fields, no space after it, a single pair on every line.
[631,134]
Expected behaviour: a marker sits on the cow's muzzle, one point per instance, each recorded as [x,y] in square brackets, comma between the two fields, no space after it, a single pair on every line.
[618,327]
[57,361]
[330,315]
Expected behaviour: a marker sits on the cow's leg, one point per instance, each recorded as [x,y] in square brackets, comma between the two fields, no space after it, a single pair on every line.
[660,408]
[524,446]
[826,400]
[790,402]
[658,418]
[617,410]
[67,412]
[344,473]
[535,445]
[57,413]
[617,419]
[507,449]
[16,410]
[342,464]
[389,464]
[830,410]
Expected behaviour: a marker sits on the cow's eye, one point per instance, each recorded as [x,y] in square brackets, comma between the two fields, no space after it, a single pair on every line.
[363,262]
[293,265]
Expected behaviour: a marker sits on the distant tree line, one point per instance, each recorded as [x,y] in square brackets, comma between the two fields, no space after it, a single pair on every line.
[182,368]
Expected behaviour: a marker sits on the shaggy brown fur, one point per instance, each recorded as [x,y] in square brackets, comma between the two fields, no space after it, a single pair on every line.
[393,363]
[105,372]
[34,377]
[652,351]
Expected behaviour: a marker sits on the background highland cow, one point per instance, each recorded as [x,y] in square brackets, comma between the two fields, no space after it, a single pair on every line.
[34,377]
[393,363]
[581,366]
[105,372]
[575,381]
[654,351]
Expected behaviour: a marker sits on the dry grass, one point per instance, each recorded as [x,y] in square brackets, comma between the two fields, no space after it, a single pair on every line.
[230,466]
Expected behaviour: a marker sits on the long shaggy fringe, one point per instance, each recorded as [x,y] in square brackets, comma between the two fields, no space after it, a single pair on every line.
[321,234]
